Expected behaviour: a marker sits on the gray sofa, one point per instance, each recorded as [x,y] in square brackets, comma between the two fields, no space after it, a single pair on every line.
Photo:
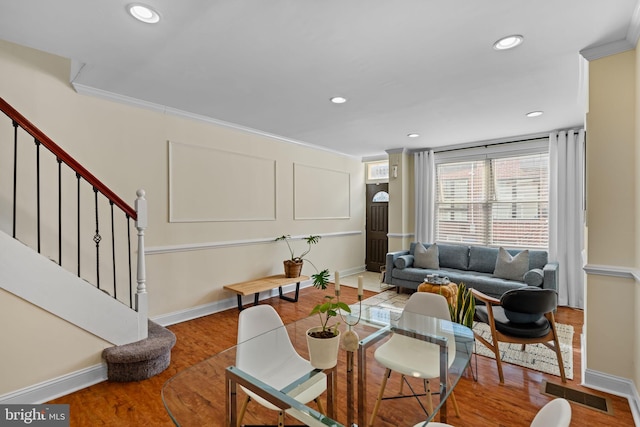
[472,265]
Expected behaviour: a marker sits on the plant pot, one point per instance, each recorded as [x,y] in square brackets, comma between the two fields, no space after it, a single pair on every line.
[323,352]
[292,268]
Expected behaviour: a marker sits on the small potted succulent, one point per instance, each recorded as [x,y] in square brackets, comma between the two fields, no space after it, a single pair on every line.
[324,340]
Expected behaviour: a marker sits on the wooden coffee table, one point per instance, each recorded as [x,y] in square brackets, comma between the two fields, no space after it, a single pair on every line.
[265,284]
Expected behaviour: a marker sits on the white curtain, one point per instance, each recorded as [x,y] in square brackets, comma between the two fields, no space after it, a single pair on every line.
[425,180]
[566,213]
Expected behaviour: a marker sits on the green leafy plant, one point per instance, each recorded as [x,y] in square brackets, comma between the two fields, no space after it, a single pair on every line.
[321,278]
[463,310]
[311,240]
[326,310]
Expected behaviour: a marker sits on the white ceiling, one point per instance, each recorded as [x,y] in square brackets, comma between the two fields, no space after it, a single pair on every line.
[424,66]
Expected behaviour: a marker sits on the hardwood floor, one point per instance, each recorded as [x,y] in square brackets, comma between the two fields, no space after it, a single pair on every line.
[482,403]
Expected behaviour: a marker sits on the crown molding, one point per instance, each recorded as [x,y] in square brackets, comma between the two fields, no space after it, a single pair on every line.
[597,52]
[618,46]
[163,109]
[633,33]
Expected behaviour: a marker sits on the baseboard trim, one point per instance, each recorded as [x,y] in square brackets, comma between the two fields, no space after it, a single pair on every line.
[618,386]
[352,271]
[57,387]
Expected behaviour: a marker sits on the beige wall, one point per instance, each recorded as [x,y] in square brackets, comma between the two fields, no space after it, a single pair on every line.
[401,201]
[612,215]
[127,148]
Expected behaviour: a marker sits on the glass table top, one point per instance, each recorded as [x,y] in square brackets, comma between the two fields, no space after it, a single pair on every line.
[201,395]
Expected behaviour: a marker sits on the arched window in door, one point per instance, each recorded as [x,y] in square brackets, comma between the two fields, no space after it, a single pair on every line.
[380,196]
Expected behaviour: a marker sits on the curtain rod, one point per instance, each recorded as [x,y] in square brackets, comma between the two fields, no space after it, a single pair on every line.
[525,138]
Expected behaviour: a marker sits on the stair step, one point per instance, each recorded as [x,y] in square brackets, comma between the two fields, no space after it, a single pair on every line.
[142,359]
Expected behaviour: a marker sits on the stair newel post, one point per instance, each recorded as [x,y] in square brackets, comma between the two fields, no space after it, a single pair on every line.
[141,291]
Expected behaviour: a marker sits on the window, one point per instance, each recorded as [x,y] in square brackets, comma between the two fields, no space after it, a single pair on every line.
[380,197]
[500,201]
[377,172]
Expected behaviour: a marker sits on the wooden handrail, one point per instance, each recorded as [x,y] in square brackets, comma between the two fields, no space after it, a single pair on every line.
[32,130]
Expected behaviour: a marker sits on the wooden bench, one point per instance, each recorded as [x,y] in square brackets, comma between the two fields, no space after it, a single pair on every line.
[265,284]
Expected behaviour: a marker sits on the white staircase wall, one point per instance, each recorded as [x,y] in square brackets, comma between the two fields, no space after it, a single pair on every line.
[33,277]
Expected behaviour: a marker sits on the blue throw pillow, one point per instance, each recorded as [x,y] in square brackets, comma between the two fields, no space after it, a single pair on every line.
[534,277]
[403,261]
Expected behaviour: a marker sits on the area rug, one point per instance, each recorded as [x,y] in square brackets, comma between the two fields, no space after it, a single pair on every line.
[537,356]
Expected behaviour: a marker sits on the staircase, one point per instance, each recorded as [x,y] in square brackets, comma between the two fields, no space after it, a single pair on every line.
[89,286]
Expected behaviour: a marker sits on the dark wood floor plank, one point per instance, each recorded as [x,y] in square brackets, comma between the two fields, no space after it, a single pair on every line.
[482,403]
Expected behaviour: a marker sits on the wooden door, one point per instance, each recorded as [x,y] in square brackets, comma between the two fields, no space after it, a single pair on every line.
[377,225]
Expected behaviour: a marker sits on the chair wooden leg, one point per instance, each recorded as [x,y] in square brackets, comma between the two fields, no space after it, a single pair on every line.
[281,419]
[496,352]
[243,409]
[456,409]
[387,373]
[320,408]
[427,389]
[556,343]
[401,385]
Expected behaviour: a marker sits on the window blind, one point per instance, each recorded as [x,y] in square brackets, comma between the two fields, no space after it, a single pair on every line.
[502,201]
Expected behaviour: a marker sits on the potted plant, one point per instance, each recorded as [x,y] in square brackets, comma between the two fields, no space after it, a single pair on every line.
[293,266]
[324,341]
[464,308]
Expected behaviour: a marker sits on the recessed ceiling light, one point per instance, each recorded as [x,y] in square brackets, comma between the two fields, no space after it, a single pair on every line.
[338,100]
[535,114]
[508,42]
[143,13]
[413,135]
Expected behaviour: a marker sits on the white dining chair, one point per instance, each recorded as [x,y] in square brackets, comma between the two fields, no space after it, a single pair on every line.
[413,357]
[556,413]
[265,352]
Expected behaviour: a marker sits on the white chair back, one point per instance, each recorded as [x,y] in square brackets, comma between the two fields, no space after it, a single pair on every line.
[428,304]
[263,341]
[556,413]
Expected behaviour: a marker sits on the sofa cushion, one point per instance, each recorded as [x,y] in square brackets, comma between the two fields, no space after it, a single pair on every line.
[538,259]
[426,258]
[482,259]
[511,267]
[454,256]
[534,277]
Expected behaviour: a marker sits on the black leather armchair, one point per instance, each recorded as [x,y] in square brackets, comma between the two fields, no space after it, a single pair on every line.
[523,316]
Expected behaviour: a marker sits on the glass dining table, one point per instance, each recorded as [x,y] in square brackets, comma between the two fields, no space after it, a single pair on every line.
[208,393]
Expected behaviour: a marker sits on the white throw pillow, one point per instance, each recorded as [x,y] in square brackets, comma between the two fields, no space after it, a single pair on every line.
[426,258]
[511,267]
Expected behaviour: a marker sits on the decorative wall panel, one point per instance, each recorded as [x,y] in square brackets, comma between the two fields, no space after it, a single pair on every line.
[207,184]
[321,193]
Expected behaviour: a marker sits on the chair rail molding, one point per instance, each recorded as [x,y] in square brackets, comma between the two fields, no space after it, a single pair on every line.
[613,271]
[400,235]
[233,243]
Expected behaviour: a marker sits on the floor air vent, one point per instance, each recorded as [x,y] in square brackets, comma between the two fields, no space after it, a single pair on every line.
[589,400]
